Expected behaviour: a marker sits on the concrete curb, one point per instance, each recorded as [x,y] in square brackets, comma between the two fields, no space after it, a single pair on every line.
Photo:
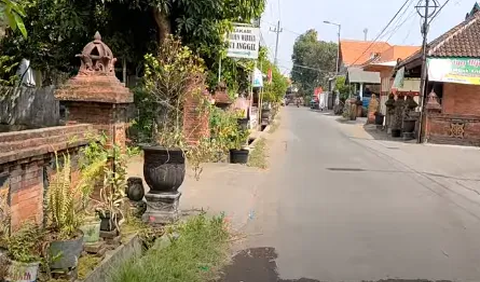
[130,249]
[265,131]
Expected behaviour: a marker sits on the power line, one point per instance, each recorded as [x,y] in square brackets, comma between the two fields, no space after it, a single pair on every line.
[400,22]
[409,17]
[438,12]
[385,28]
[289,30]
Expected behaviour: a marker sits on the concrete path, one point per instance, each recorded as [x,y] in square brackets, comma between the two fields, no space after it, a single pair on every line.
[337,205]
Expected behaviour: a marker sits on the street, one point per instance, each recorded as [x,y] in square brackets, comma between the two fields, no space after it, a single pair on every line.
[335,206]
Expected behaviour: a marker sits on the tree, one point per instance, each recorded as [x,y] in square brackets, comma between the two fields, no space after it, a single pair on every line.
[60,28]
[344,89]
[12,13]
[276,90]
[313,61]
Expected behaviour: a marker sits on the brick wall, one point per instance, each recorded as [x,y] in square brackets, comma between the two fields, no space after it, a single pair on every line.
[461,99]
[453,129]
[27,160]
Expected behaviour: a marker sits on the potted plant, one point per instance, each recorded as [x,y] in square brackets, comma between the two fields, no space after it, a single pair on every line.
[24,251]
[64,206]
[172,77]
[379,118]
[238,147]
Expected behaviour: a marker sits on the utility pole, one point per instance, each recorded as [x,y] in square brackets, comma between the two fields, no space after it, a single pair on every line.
[365,33]
[277,30]
[425,12]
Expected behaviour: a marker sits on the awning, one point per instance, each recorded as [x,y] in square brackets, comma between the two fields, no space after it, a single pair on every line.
[356,75]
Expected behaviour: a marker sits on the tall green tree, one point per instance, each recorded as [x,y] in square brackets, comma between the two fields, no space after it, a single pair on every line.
[276,90]
[313,61]
[12,13]
[60,28]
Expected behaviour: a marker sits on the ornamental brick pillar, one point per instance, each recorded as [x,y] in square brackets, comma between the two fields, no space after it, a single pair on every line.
[432,108]
[196,122]
[95,95]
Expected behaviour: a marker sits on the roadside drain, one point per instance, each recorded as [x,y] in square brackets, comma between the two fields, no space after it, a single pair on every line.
[345,169]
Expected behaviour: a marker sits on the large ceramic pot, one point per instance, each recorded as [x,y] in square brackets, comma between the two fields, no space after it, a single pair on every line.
[22,272]
[409,125]
[163,169]
[135,191]
[65,254]
[239,156]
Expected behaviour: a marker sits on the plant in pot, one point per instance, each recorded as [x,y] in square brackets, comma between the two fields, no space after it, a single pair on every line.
[238,147]
[170,79]
[112,194]
[379,118]
[64,212]
[24,248]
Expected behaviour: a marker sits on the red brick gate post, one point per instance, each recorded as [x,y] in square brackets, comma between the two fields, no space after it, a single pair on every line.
[95,95]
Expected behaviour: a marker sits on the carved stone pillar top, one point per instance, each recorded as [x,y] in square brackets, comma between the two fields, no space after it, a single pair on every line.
[96,80]
[432,103]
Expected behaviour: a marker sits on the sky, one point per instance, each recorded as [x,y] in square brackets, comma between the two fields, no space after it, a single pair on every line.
[298,16]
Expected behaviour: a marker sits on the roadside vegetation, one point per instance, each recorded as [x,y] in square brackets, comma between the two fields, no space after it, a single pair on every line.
[197,250]
[258,156]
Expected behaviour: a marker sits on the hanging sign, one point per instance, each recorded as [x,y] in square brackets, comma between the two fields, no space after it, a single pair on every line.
[399,80]
[257,78]
[244,42]
[455,70]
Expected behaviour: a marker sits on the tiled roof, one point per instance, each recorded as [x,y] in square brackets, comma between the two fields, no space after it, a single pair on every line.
[354,52]
[461,41]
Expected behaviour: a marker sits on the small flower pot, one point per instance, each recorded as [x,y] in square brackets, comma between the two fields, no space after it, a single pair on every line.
[22,272]
[379,118]
[239,156]
[64,254]
[396,133]
[135,190]
[91,230]
[106,223]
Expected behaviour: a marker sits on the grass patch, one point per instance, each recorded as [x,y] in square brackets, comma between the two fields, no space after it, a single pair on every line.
[87,264]
[258,156]
[196,255]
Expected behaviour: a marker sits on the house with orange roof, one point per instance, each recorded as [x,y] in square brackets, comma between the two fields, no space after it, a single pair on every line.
[385,63]
[354,54]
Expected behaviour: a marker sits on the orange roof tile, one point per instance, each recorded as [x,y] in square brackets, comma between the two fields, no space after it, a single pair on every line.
[354,52]
[397,52]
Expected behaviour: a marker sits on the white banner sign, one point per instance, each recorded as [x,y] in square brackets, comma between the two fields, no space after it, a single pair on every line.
[244,42]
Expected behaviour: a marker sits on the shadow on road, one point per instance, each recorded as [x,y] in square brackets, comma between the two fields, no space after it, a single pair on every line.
[258,265]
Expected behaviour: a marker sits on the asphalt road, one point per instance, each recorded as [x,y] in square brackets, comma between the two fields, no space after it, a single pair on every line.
[333,210]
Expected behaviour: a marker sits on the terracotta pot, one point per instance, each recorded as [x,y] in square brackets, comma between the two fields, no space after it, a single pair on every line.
[163,169]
